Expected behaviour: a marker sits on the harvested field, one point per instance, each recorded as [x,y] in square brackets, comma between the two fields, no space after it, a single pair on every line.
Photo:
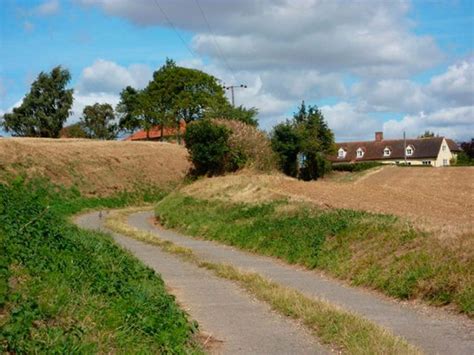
[437,199]
[95,167]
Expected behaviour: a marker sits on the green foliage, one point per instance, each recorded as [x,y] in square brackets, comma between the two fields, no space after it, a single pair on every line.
[75,130]
[98,121]
[466,156]
[353,167]
[228,112]
[44,109]
[368,249]
[66,290]
[427,134]
[128,110]
[303,143]
[208,146]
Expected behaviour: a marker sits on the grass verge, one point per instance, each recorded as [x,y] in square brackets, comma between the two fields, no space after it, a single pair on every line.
[342,330]
[66,290]
[374,250]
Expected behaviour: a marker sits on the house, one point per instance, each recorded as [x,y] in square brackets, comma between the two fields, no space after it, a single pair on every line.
[154,134]
[435,151]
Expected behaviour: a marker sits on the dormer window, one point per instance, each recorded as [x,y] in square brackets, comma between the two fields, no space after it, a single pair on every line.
[360,153]
[410,150]
[341,153]
[387,151]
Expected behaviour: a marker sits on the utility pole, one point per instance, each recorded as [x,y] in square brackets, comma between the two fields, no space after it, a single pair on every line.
[231,88]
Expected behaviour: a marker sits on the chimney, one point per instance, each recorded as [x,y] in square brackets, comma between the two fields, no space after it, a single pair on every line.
[378,136]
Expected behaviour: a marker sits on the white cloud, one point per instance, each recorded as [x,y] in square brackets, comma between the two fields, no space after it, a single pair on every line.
[47,8]
[457,123]
[108,77]
[82,100]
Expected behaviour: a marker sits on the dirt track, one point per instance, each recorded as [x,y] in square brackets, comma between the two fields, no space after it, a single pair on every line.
[95,167]
[436,198]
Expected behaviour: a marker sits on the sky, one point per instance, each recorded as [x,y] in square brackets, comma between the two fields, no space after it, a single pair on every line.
[369,65]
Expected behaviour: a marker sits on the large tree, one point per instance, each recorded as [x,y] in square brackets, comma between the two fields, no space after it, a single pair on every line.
[228,112]
[303,144]
[44,109]
[98,121]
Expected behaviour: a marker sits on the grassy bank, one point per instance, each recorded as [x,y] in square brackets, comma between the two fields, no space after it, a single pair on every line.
[377,251]
[344,331]
[65,290]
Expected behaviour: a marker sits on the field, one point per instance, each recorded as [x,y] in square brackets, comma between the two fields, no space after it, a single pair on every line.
[94,167]
[435,199]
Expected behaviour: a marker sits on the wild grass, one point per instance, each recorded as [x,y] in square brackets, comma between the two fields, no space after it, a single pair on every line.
[342,330]
[373,250]
[66,290]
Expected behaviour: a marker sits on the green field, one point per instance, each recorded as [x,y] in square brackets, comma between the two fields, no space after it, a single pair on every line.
[373,250]
[66,290]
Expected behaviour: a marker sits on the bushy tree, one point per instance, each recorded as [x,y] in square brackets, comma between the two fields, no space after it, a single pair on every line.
[303,144]
[44,109]
[227,112]
[427,134]
[98,121]
[208,146]
[75,130]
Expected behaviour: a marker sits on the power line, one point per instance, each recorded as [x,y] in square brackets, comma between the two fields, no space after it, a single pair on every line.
[175,30]
[216,44]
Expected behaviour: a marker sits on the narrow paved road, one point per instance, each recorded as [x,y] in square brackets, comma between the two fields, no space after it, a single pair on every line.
[238,324]
[435,334]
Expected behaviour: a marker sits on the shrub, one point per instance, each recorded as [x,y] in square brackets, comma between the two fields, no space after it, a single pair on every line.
[352,167]
[253,144]
[209,149]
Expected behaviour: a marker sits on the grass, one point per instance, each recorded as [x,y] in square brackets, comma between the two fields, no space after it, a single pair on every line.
[66,290]
[340,329]
[373,250]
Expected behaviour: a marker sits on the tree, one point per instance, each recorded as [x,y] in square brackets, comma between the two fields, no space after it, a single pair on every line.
[98,121]
[303,144]
[75,130]
[427,134]
[44,109]
[228,112]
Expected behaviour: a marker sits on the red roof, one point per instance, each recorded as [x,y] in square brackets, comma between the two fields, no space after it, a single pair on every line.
[155,133]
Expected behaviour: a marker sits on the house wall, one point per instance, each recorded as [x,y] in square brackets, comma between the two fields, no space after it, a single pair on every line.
[444,155]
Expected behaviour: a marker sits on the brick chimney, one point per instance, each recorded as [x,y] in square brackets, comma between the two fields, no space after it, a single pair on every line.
[378,136]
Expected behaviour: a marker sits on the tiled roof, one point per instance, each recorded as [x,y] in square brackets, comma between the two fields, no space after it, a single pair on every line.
[155,133]
[374,150]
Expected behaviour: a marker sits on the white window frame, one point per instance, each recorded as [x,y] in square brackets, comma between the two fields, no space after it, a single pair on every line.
[412,150]
[341,153]
[443,148]
[445,162]
[359,153]
[385,152]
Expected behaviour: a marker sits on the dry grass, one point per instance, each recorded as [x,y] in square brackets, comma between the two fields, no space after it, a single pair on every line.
[342,330]
[95,167]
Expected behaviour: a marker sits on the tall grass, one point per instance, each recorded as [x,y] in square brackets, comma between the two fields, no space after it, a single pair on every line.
[378,251]
[65,290]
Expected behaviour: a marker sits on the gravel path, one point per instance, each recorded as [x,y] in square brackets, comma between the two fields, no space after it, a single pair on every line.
[436,334]
[237,323]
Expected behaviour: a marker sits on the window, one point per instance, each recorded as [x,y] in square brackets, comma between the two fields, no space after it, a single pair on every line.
[360,153]
[387,152]
[445,162]
[409,150]
[341,154]
[426,162]
[443,148]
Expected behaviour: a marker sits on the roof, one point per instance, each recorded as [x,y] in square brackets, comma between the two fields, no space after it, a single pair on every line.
[453,146]
[374,150]
[155,133]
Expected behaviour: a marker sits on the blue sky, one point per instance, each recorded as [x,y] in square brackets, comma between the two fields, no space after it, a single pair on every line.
[369,65]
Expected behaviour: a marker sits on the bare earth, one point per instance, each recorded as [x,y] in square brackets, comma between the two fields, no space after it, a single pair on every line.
[436,198]
[95,167]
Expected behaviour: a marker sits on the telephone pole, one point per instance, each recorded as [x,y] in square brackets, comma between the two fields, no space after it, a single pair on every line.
[231,88]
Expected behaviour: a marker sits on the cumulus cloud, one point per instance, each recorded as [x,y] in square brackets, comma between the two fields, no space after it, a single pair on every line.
[47,8]
[108,77]
[454,122]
